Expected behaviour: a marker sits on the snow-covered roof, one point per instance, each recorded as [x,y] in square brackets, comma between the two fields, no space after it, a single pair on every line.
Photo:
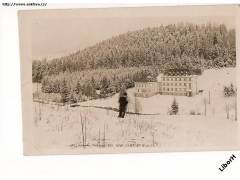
[177,72]
[182,72]
[159,77]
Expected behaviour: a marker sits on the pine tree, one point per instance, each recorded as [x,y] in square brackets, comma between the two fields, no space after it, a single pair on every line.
[174,107]
[104,85]
[73,97]
[231,89]
[226,91]
[64,92]
[78,88]
[93,83]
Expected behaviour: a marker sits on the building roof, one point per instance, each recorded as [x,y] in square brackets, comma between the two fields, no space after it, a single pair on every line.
[181,72]
[147,79]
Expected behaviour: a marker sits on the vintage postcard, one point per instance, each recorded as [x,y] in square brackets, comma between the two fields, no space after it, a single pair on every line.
[137,79]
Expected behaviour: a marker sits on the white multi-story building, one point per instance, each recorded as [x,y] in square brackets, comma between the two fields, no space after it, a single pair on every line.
[146,89]
[177,82]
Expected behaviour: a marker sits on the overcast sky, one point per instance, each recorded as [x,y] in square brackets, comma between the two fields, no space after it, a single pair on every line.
[60,34]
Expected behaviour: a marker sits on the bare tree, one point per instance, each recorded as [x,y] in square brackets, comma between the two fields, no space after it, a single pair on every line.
[85,129]
[83,123]
[104,135]
[153,138]
[99,137]
[39,104]
[209,97]
[61,124]
[235,107]
[152,133]
[205,106]
[227,108]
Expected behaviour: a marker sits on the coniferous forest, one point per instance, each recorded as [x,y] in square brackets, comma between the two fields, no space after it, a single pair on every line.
[134,56]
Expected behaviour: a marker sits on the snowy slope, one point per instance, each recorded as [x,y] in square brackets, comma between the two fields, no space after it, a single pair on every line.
[61,128]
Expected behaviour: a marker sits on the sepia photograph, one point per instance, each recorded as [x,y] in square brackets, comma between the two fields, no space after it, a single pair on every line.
[121,80]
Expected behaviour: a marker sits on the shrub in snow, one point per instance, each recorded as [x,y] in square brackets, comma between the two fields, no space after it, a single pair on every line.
[229,91]
[192,112]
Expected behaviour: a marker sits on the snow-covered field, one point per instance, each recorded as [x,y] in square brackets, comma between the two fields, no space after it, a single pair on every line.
[60,127]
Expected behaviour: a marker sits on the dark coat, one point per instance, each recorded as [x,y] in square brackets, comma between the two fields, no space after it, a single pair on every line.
[123,102]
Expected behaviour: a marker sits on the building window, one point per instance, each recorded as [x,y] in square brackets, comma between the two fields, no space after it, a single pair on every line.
[175,89]
[180,84]
[185,84]
[167,84]
[175,79]
[171,84]
[163,89]
[171,89]
[163,84]
[179,79]
[167,89]
[189,85]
